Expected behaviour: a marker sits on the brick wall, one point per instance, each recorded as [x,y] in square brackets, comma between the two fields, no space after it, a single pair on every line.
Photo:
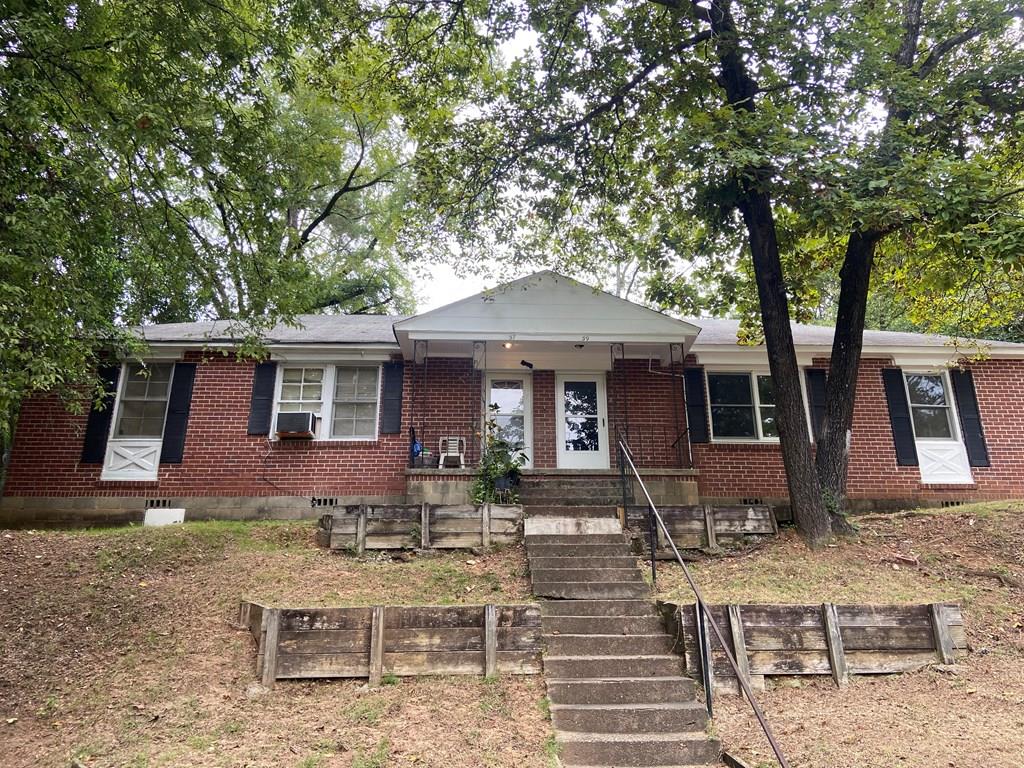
[643,406]
[731,470]
[222,460]
[445,398]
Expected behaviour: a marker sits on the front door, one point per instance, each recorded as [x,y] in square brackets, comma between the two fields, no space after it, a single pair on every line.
[581,427]
[510,405]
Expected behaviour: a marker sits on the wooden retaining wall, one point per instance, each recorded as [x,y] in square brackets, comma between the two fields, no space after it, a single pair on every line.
[398,640]
[702,526]
[837,640]
[359,527]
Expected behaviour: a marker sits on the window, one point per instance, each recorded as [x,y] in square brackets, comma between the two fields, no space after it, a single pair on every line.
[302,389]
[344,398]
[355,403]
[766,406]
[742,406]
[929,405]
[143,401]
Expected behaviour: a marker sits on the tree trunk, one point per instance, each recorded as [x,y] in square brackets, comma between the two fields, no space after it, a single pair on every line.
[755,204]
[833,452]
[805,496]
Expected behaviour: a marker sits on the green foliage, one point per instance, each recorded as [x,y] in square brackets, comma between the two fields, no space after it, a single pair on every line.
[499,463]
[167,162]
[610,142]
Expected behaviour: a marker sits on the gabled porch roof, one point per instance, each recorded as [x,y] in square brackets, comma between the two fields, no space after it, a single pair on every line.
[552,320]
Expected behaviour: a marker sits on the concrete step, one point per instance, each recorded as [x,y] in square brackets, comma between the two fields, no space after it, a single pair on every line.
[598,608]
[608,645]
[602,625]
[632,665]
[591,590]
[573,538]
[688,748]
[583,561]
[620,549]
[563,510]
[631,573]
[675,717]
[582,497]
[626,690]
[551,482]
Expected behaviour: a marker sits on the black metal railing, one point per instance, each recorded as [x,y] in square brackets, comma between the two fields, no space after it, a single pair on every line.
[704,619]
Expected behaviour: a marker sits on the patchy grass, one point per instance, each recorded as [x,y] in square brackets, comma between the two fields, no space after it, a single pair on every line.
[117,648]
[970,716]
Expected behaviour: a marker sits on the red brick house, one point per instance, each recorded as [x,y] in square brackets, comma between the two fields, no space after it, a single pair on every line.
[331,416]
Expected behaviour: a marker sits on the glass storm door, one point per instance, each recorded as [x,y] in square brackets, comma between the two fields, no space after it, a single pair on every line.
[582,421]
[510,405]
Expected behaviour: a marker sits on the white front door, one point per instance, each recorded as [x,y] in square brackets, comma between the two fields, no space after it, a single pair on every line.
[510,405]
[940,449]
[581,427]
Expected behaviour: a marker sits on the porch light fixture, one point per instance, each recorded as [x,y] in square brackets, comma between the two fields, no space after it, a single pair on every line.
[526,364]
[507,345]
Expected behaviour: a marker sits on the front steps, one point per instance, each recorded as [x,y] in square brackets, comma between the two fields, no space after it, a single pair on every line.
[618,695]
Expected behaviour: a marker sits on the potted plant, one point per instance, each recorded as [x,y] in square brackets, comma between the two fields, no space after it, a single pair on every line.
[497,478]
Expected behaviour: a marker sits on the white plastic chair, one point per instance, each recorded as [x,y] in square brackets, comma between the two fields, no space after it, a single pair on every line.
[451,448]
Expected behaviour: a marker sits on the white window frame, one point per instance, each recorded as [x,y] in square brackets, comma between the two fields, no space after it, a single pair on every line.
[752,373]
[150,445]
[952,411]
[527,378]
[325,421]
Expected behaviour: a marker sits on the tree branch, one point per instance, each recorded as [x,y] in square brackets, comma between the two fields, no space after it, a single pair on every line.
[951,43]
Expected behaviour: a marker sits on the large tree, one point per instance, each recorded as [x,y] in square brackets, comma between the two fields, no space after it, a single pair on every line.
[177,161]
[820,131]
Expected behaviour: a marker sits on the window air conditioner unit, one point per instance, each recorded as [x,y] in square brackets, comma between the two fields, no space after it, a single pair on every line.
[299,424]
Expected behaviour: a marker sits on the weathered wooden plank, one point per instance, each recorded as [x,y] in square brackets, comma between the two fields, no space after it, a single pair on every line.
[295,619]
[273,625]
[307,665]
[887,662]
[836,652]
[709,527]
[504,526]
[485,525]
[394,512]
[506,512]
[450,511]
[491,640]
[943,641]
[412,616]
[889,638]
[456,525]
[790,662]
[377,640]
[782,638]
[455,540]
[385,527]
[425,526]
[882,615]
[361,530]
[460,639]
[739,643]
[325,641]
[391,541]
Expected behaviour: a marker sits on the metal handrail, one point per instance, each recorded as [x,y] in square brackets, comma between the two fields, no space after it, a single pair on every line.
[703,615]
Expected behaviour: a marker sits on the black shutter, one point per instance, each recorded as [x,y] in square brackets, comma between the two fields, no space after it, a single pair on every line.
[178,404]
[261,404]
[970,418]
[899,417]
[97,428]
[696,409]
[391,399]
[816,398]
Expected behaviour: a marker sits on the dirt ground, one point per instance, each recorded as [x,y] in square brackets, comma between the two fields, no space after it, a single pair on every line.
[118,648]
[969,717]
